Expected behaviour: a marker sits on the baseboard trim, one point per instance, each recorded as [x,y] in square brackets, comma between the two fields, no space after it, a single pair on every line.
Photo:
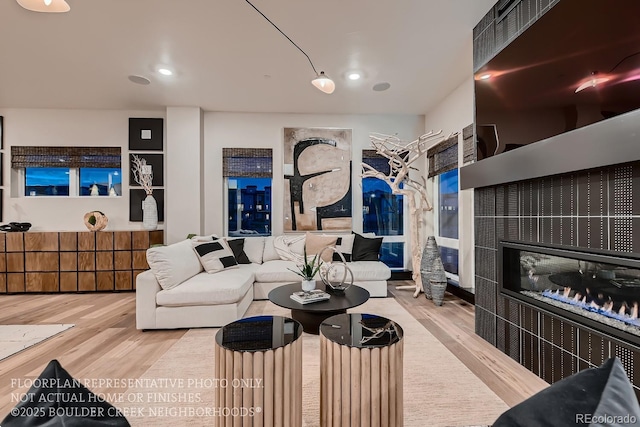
[461,293]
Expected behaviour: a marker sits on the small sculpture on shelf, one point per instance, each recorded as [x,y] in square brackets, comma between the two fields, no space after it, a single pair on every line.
[95,220]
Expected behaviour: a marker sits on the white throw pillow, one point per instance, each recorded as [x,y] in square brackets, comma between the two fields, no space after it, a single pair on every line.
[173,264]
[254,247]
[269,253]
[214,255]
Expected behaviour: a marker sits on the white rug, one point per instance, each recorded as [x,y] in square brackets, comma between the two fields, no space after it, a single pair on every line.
[439,390]
[15,338]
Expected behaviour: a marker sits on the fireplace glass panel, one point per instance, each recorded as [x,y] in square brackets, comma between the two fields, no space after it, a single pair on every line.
[602,289]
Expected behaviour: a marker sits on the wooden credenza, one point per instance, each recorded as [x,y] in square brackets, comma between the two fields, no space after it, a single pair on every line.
[84,261]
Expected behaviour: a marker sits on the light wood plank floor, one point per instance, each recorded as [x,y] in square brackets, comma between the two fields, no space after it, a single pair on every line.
[105,344]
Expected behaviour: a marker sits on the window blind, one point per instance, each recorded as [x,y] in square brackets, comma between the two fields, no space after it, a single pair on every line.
[443,157]
[247,162]
[376,161]
[65,157]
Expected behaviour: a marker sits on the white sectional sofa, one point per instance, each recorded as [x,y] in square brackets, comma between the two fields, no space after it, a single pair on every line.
[177,293]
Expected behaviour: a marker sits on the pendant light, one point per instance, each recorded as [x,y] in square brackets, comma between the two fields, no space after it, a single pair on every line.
[322,82]
[54,6]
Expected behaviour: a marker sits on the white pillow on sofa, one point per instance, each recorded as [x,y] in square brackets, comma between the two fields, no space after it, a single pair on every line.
[254,247]
[173,264]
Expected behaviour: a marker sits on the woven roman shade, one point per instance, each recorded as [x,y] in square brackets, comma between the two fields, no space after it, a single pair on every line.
[443,157]
[247,162]
[65,157]
[376,161]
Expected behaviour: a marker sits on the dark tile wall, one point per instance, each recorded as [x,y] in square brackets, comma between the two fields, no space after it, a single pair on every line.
[598,209]
[495,32]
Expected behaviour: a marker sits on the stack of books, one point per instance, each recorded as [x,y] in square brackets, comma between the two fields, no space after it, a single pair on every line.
[309,297]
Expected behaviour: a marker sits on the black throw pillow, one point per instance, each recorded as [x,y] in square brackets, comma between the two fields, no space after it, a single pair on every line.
[237,247]
[365,248]
[597,396]
[57,399]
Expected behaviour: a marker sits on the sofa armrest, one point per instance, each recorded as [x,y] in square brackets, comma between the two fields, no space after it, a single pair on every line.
[146,289]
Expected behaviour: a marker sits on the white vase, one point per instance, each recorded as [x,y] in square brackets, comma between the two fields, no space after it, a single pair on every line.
[149,213]
[308,285]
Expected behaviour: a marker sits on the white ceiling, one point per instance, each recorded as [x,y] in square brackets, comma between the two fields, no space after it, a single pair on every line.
[229,58]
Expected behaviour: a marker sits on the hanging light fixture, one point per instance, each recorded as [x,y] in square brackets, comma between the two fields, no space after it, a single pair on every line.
[322,82]
[45,5]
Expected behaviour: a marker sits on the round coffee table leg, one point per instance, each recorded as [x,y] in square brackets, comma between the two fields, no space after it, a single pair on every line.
[311,320]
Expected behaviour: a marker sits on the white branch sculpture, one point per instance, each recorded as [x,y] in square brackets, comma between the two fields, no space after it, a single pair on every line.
[401,156]
[142,173]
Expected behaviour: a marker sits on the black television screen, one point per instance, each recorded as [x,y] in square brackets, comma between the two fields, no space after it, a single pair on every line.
[575,66]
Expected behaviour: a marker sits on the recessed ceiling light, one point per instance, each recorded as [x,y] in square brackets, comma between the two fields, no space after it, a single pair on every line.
[354,76]
[165,71]
[379,87]
[485,76]
[139,80]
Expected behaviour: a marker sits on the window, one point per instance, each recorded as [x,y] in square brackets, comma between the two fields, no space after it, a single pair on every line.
[105,179]
[247,173]
[46,181]
[66,171]
[249,202]
[383,212]
[443,166]
[448,204]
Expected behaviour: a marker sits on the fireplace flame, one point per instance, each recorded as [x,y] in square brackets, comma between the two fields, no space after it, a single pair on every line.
[626,313]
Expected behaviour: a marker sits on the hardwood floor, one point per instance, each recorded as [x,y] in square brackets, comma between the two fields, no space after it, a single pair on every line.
[105,343]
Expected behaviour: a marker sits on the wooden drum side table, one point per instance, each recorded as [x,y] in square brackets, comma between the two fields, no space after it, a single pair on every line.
[258,365]
[361,371]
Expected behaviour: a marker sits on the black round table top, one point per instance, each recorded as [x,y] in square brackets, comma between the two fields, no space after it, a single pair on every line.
[361,330]
[353,296]
[259,333]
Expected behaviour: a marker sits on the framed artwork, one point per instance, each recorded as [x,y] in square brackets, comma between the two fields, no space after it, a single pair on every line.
[136,196]
[317,179]
[157,167]
[146,134]
[1,132]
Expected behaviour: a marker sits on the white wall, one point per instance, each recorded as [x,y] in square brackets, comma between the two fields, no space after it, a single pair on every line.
[451,115]
[184,186]
[223,130]
[43,127]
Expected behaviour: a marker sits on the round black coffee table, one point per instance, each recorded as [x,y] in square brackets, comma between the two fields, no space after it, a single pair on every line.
[311,315]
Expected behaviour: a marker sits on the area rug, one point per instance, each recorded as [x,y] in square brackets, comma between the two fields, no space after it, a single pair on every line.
[439,390]
[15,338]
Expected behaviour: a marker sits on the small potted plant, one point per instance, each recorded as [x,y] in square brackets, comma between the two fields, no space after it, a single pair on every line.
[308,271]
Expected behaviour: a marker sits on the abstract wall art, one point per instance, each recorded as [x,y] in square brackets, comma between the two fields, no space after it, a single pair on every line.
[317,175]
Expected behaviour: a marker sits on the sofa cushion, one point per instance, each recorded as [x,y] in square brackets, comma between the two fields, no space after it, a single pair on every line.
[270,253]
[254,248]
[173,264]
[315,243]
[237,247]
[365,271]
[225,287]
[277,271]
[366,249]
[215,255]
[596,396]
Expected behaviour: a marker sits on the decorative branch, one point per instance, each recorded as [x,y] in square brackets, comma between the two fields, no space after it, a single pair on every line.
[142,173]
[401,156]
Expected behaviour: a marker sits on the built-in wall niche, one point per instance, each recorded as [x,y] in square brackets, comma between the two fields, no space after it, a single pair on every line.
[146,140]
[157,168]
[136,196]
[146,134]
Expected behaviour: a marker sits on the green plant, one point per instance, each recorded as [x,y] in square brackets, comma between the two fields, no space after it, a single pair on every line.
[308,269]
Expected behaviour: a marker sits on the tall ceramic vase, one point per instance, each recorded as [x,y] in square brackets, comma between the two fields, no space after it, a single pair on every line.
[438,281]
[149,213]
[429,254]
